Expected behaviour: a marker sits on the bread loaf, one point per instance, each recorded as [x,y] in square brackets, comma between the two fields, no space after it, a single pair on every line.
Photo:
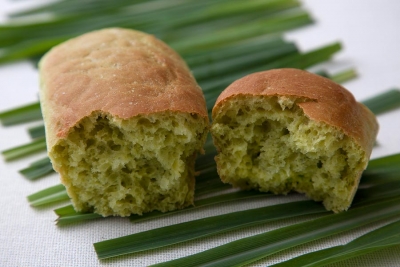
[289,130]
[124,119]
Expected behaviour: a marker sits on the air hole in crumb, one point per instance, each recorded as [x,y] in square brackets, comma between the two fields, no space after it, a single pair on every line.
[225,119]
[90,142]
[126,182]
[101,149]
[113,146]
[129,198]
[285,131]
[319,164]
[144,122]
[261,128]
[126,170]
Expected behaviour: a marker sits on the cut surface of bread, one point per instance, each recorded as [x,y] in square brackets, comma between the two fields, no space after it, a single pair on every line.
[267,141]
[124,121]
[137,165]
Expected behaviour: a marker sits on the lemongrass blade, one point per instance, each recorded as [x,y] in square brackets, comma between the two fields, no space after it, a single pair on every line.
[65,211]
[25,150]
[56,197]
[375,240]
[250,249]
[279,23]
[46,192]
[197,58]
[234,196]
[37,132]
[61,221]
[240,62]
[226,9]
[376,192]
[294,60]
[209,186]
[68,215]
[22,114]
[343,76]
[41,162]
[339,77]
[384,102]
[29,48]
[204,227]
[79,24]
[387,164]
[205,22]
[37,169]
[74,7]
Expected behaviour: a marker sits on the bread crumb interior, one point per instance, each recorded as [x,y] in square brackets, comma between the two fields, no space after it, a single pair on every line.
[267,143]
[112,166]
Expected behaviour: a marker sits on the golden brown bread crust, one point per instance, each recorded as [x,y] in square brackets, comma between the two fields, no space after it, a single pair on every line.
[328,102]
[114,71]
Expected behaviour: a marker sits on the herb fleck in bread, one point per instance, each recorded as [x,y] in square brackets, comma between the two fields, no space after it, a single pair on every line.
[124,120]
[287,129]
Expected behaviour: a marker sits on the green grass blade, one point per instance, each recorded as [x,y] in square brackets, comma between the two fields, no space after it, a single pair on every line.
[241,62]
[218,17]
[46,192]
[37,169]
[340,77]
[37,131]
[74,7]
[65,211]
[384,102]
[250,249]
[376,192]
[206,161]
[196,58]
[382,169]
[380,238]
[79,217]
[48,196]
[30,48]
[212,186]
[25,150]
[343,76]
[29,40]
[384,164]
[294,60]
[68,215]
[234,196]
[50,199]
[22,114]
[203,227]
[279,23]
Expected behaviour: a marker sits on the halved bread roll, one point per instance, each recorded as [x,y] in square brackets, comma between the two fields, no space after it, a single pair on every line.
[124,120]
[287,129]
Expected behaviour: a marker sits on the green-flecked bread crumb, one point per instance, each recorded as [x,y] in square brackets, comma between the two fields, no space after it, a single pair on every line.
[268,143]
[114,166]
